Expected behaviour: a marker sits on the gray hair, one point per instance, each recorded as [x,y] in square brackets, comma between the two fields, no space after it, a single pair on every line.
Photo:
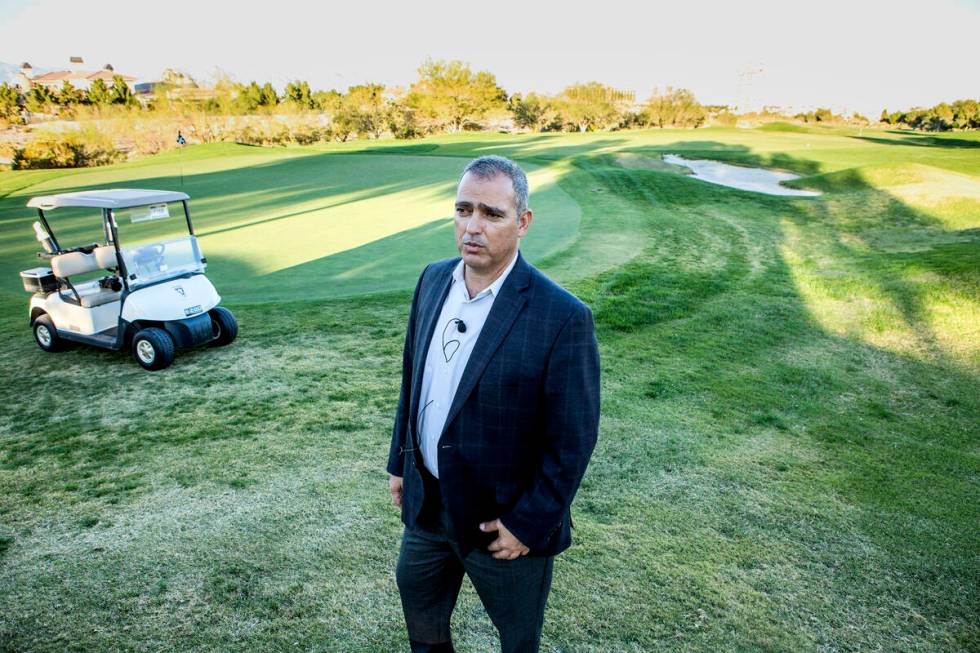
[487,167]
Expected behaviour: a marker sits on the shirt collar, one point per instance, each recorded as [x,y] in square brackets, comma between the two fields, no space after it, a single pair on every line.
[493,288]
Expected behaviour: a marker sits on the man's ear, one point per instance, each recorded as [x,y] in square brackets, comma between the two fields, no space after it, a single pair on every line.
[524,223]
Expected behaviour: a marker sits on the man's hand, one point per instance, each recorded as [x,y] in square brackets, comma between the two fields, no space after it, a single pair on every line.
[395,486]
[506,546]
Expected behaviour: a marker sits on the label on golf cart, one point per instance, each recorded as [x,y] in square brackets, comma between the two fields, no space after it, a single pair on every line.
[151,212]
[193,310]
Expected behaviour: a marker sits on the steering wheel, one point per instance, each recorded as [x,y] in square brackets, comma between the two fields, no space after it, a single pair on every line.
[150,257]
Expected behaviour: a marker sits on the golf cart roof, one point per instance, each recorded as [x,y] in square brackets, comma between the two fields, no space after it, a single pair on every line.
[115,198]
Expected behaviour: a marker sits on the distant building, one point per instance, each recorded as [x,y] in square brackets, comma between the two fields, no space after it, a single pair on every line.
[79,78]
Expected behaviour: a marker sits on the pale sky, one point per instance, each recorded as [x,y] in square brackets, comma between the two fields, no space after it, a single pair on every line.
[851,54]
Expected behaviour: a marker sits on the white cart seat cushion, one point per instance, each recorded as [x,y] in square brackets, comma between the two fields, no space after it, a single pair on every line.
[66,265]
[92,294]
[103,296]
[105,256]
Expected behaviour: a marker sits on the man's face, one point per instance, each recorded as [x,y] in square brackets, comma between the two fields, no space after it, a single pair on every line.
[487,225]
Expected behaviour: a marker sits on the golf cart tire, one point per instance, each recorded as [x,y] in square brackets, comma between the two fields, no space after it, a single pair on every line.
[225,326]
[48,338]
[153,348]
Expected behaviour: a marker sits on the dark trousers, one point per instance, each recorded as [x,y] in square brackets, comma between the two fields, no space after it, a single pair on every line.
[430,572]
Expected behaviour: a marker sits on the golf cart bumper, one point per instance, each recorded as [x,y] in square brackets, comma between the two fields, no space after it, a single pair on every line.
[190,332]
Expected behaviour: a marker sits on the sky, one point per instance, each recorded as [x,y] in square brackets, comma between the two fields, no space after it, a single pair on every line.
[853,55]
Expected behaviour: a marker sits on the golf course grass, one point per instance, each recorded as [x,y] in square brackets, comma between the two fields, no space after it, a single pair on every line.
[788,451]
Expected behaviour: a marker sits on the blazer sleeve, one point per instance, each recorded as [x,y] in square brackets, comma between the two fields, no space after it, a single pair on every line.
[571,400]
[400,431]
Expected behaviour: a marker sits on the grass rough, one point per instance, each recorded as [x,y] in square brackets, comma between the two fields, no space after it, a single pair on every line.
[788,455]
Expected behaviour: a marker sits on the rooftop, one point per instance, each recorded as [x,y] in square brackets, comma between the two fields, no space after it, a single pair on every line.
[115,198]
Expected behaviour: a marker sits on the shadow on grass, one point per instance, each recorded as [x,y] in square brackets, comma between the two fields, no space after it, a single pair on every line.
[923,141]
[712,317]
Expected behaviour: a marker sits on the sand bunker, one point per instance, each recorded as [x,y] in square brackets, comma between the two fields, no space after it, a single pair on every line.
[758,180]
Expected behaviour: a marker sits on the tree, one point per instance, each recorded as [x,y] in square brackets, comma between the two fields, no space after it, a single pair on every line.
[249,97]
[39,100]
[9,104]
[268,96]
[941,117]
[362,111]
[885,118]
[966,114]
[120,93]
[298,93]
[401,121]
[98,93]
[823,114]
[593,105]
[448,95]
[673,107]
[528,112]
[69,95]
[328,101]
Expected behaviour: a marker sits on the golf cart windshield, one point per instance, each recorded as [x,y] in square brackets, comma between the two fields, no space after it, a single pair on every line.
[141,224]
[164,250]
[163,259]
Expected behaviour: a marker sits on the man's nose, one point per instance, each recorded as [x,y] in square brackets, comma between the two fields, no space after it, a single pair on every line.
[475,224]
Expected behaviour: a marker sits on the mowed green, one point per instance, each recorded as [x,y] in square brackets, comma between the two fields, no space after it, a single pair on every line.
[290,224]
[788,454]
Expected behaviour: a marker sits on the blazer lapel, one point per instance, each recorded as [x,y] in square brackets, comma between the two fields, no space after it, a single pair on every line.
[505,309]
[429,308]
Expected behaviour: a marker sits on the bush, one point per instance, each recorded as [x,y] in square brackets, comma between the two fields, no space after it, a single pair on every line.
[247,135]
[72,150]
[724,119]
[308,134]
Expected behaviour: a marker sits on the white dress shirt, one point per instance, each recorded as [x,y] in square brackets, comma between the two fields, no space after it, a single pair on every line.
[449,350]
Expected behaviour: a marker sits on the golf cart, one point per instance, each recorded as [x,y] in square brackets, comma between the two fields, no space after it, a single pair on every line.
[149,297]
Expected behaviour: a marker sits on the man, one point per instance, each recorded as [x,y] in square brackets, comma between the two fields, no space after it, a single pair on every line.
[497,419]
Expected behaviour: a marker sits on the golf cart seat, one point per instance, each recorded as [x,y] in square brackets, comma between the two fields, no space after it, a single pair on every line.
[89,294]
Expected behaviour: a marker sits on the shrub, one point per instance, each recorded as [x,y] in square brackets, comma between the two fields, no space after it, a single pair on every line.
[248,135]
[307,135]
[724,119]
[72,150]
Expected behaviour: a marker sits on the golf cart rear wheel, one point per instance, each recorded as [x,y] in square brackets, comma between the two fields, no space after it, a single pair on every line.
[153,348]
[46,335]
[224,326]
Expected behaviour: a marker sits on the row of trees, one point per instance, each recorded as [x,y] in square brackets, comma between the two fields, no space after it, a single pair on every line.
[450,97]
[962,114]
[41,99]
[447,96]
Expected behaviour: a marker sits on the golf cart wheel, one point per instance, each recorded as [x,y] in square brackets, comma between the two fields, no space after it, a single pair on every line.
[46,335]
[224,326]
[153,348]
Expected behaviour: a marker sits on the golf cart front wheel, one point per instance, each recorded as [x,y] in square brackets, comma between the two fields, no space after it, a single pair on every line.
[153,348]
[46,335]
[223,325]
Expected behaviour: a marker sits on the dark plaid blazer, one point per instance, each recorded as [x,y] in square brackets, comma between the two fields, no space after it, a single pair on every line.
[525,417]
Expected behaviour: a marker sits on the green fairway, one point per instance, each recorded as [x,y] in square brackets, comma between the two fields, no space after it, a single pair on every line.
[788,452]
[292,224]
